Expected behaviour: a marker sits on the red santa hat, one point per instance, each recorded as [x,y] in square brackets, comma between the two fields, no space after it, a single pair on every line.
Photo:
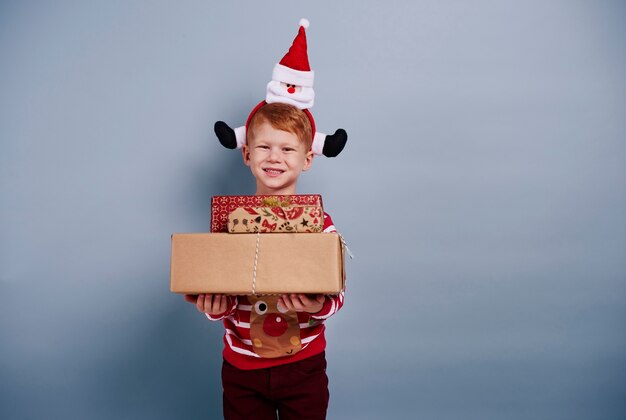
[294,67]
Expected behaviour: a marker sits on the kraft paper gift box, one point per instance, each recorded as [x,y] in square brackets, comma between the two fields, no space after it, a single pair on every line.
[223,205]
[294,219]
[257,263]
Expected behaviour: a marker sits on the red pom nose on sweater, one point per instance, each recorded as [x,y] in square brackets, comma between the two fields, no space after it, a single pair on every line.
[274,325]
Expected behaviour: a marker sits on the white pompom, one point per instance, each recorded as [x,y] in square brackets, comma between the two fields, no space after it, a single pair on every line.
[304,23]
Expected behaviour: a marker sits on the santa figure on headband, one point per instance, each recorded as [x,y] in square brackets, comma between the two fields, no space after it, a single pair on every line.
[292,83]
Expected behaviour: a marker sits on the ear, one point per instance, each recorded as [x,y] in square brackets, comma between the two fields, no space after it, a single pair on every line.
[308,160]
[245,154]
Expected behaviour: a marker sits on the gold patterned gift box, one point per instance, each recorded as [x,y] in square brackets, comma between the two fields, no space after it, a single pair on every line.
[223,205]
[293,219]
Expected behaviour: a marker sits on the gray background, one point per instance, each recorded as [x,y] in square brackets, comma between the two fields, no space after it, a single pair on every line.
[482,191]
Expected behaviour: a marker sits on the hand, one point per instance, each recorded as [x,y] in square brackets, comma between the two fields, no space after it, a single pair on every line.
[209,304]
[302,303]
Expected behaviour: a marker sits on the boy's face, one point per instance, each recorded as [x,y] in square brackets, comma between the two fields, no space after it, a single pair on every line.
[276,159]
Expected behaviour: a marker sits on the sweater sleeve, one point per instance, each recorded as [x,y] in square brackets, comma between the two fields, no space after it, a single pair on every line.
[333,302]
[331,305]
[232,305]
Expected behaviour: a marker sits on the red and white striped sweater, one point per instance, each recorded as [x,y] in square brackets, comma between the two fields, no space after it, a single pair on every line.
[301,334]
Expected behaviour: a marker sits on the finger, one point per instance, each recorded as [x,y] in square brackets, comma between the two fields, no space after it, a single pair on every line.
[215,304]
[208,303]
[297,303]
[223,304]
[320,298]
[200,303]
[208,299]
[191,298]
[306,301]
[280,305]
[287,303]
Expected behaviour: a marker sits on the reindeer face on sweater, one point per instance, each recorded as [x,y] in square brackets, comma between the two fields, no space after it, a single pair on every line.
[274,331]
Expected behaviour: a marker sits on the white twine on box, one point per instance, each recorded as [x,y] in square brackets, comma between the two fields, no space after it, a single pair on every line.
[345,245]
[256,260]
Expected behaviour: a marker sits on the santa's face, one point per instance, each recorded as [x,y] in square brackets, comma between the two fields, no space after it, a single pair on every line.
[291,89]
[301,97]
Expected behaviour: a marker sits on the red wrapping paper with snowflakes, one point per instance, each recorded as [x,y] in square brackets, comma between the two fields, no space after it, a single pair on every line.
[293,219]
[223,205]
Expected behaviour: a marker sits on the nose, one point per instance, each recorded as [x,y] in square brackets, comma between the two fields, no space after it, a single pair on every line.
[274,155]
[275,325]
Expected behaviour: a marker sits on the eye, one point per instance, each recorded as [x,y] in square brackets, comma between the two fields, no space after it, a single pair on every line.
[288,149]
[262,146]
[260,307]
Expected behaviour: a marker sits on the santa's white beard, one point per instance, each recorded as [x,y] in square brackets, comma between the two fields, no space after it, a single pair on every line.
[277,93]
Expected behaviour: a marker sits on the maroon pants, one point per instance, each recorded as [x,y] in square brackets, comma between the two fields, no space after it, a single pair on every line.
[294,391]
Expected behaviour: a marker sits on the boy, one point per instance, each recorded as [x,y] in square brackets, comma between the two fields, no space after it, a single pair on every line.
[263,379]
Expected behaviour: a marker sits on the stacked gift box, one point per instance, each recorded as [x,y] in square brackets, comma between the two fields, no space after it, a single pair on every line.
[260,245]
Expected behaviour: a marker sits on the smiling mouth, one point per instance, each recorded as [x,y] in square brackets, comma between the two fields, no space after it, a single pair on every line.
[273,172]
